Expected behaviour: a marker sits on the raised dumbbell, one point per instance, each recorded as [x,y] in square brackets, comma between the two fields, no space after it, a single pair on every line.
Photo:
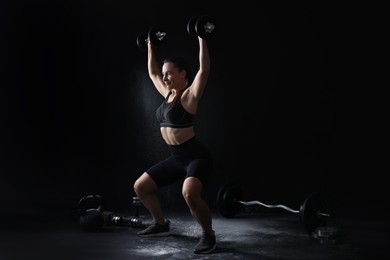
[156,35]
[313,212]
[203,26]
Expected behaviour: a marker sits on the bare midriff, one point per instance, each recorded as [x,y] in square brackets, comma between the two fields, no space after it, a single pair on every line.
[176,136]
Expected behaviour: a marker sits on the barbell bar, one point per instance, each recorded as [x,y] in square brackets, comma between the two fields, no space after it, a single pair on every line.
[313,211]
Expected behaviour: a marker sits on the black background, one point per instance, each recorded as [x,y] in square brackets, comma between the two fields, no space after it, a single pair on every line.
[280,113]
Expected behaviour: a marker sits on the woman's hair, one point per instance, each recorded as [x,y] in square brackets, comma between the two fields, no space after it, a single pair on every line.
[180,64]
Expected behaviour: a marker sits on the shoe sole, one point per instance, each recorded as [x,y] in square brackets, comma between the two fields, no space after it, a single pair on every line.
[161,234]
[206,252]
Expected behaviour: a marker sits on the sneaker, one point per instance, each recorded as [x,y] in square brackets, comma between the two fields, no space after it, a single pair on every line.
[156,230]
[206,244]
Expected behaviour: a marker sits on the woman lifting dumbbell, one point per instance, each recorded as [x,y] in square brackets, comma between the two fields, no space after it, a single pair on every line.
[189,158]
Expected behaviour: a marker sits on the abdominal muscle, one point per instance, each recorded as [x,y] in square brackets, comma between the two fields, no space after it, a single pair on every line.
[176,136]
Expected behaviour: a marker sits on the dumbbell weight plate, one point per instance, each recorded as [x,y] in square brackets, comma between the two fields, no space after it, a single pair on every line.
[157,36]
[191,26]
[142,41]
[205,27]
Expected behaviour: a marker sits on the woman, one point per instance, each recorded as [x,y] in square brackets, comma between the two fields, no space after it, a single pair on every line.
[189,159]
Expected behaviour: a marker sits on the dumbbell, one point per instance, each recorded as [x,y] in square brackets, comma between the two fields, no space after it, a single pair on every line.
[93,218]
[203,26]
[313,212]
[156,35]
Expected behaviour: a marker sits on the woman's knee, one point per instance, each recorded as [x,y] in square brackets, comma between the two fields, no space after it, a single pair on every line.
[144,184]
[137,186]
[191,191]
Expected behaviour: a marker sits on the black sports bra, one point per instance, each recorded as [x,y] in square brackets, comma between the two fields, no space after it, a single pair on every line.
[174,116]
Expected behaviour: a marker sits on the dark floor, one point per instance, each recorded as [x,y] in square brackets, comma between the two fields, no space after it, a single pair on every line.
[249,235]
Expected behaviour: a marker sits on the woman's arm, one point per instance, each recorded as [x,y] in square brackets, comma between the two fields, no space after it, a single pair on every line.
[155,73]
[199,83]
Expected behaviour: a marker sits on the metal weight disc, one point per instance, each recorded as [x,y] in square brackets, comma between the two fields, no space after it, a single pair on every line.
[227,198]
[205,27]
[191,26]
[141,41]
[157,36]
[314,212]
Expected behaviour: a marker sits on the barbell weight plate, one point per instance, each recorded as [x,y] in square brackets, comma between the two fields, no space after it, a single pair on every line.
[314,212]
[205,27]
[227,200]
[141,41]
[191,26]
[157,36]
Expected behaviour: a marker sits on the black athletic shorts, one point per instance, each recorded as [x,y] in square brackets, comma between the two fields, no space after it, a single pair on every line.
[189,159]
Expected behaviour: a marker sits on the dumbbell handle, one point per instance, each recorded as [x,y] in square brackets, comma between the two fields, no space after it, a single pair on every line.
[125,221]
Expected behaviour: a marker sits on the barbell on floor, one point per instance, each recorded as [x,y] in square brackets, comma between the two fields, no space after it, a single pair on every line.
[313,212]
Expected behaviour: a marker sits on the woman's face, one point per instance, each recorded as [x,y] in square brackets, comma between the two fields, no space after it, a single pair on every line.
[172,77]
